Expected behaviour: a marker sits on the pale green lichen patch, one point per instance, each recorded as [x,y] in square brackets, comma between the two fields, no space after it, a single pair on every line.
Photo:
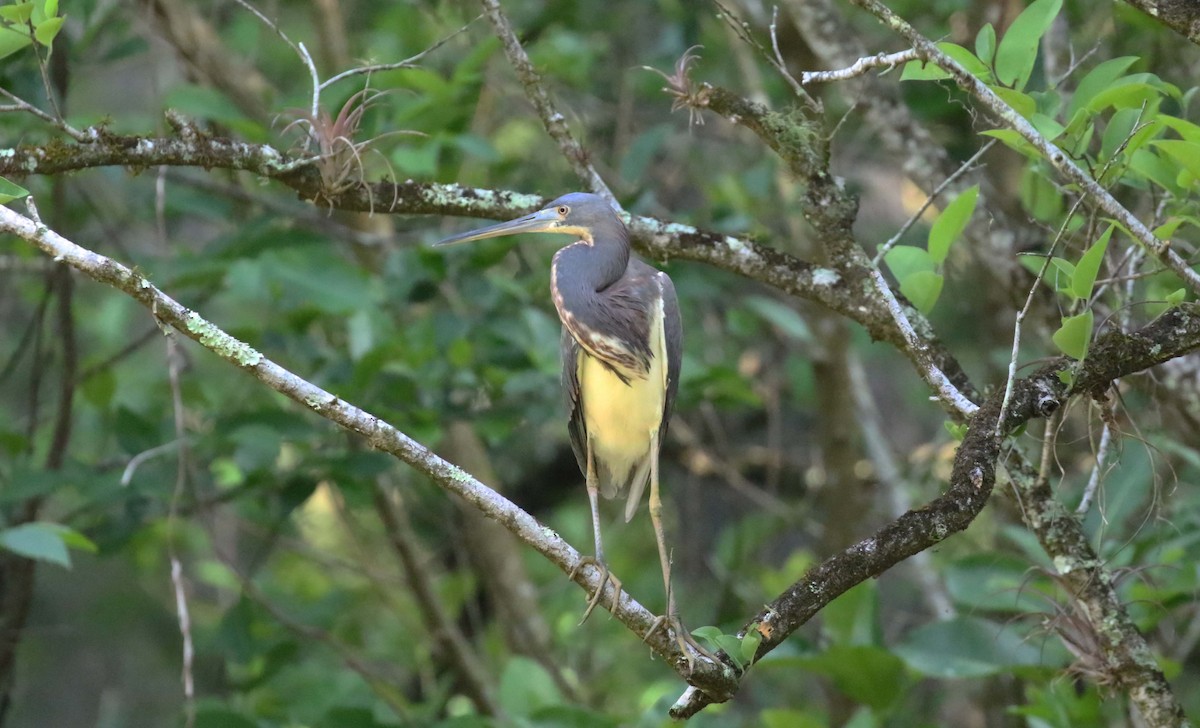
[825,277]
[222,343]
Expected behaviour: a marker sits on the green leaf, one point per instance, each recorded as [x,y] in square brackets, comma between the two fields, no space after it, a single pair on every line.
[51,8]
[708,632]
[950,224]
[525,686]
[74,539]
[853,618]
[1119,128]
[750,643]
[1021,102]
[1130,93]
[957,431]
[12,40]
[1176,297]
[48,29]
[967,647]
[1084,277]
[1097,79]
[985,43]
[923,289]
[10,191]
[781,316]
[17,13]
[1017,51]
[967,60]
[866,673]
[1062,274]
[1039,195]
[904,260]
[732,646]
[38,540]
[1183,127]
[1153,167]
[1047,126]
[922,71]
[1185,154]
[1075,334]
[1014,141]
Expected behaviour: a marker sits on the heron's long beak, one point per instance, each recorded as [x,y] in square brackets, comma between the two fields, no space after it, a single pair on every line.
[539,222]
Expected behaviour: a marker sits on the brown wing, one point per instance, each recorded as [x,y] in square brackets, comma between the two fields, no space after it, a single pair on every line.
[576,428]
[673,332]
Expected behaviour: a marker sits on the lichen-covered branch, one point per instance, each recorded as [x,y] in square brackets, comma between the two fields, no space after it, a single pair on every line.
[1181,16]
[659,239]
[715,679]
[1175,333]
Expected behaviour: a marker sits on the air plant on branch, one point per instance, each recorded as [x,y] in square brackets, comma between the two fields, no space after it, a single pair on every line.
[687,94]
[338,155]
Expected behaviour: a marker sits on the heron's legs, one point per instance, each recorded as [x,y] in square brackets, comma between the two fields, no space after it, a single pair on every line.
[598,560]
[670,620]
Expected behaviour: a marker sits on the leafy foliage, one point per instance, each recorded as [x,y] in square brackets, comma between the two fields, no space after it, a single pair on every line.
[181,476]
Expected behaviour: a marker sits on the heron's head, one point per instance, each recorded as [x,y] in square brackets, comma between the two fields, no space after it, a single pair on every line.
[578,213]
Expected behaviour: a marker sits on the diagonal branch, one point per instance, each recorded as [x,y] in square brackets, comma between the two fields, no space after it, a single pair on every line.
[713,678]
[1175,333]
[1055,156]
[554,122]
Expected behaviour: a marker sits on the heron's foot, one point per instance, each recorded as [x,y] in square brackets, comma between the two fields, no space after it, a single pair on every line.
[605,576]
[683,638]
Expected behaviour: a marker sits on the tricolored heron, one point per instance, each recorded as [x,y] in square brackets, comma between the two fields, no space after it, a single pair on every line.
[621,345]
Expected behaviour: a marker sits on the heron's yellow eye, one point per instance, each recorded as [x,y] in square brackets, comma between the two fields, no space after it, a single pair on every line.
[563,210]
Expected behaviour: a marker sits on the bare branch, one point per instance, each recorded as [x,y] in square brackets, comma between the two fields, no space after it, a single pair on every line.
[552,120]
[19,104]
[410,62]
[1039,395]
[886,61]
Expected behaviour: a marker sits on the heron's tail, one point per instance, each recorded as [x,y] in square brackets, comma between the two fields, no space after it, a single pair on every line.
[631,479]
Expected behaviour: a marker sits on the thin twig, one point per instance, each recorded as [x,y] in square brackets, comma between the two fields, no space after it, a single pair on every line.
[553,121]
[19,104]
[860,67]
[1020,318]
[467,662]
[136,461]
[174,359]
[410,62]
[379,684]
[963,169]
[1089,492]
[879,450]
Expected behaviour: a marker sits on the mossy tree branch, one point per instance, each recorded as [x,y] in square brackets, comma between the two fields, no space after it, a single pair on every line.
[1174,334]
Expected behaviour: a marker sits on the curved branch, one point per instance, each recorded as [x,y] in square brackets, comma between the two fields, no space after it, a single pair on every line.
[1175,333]
[715,679]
